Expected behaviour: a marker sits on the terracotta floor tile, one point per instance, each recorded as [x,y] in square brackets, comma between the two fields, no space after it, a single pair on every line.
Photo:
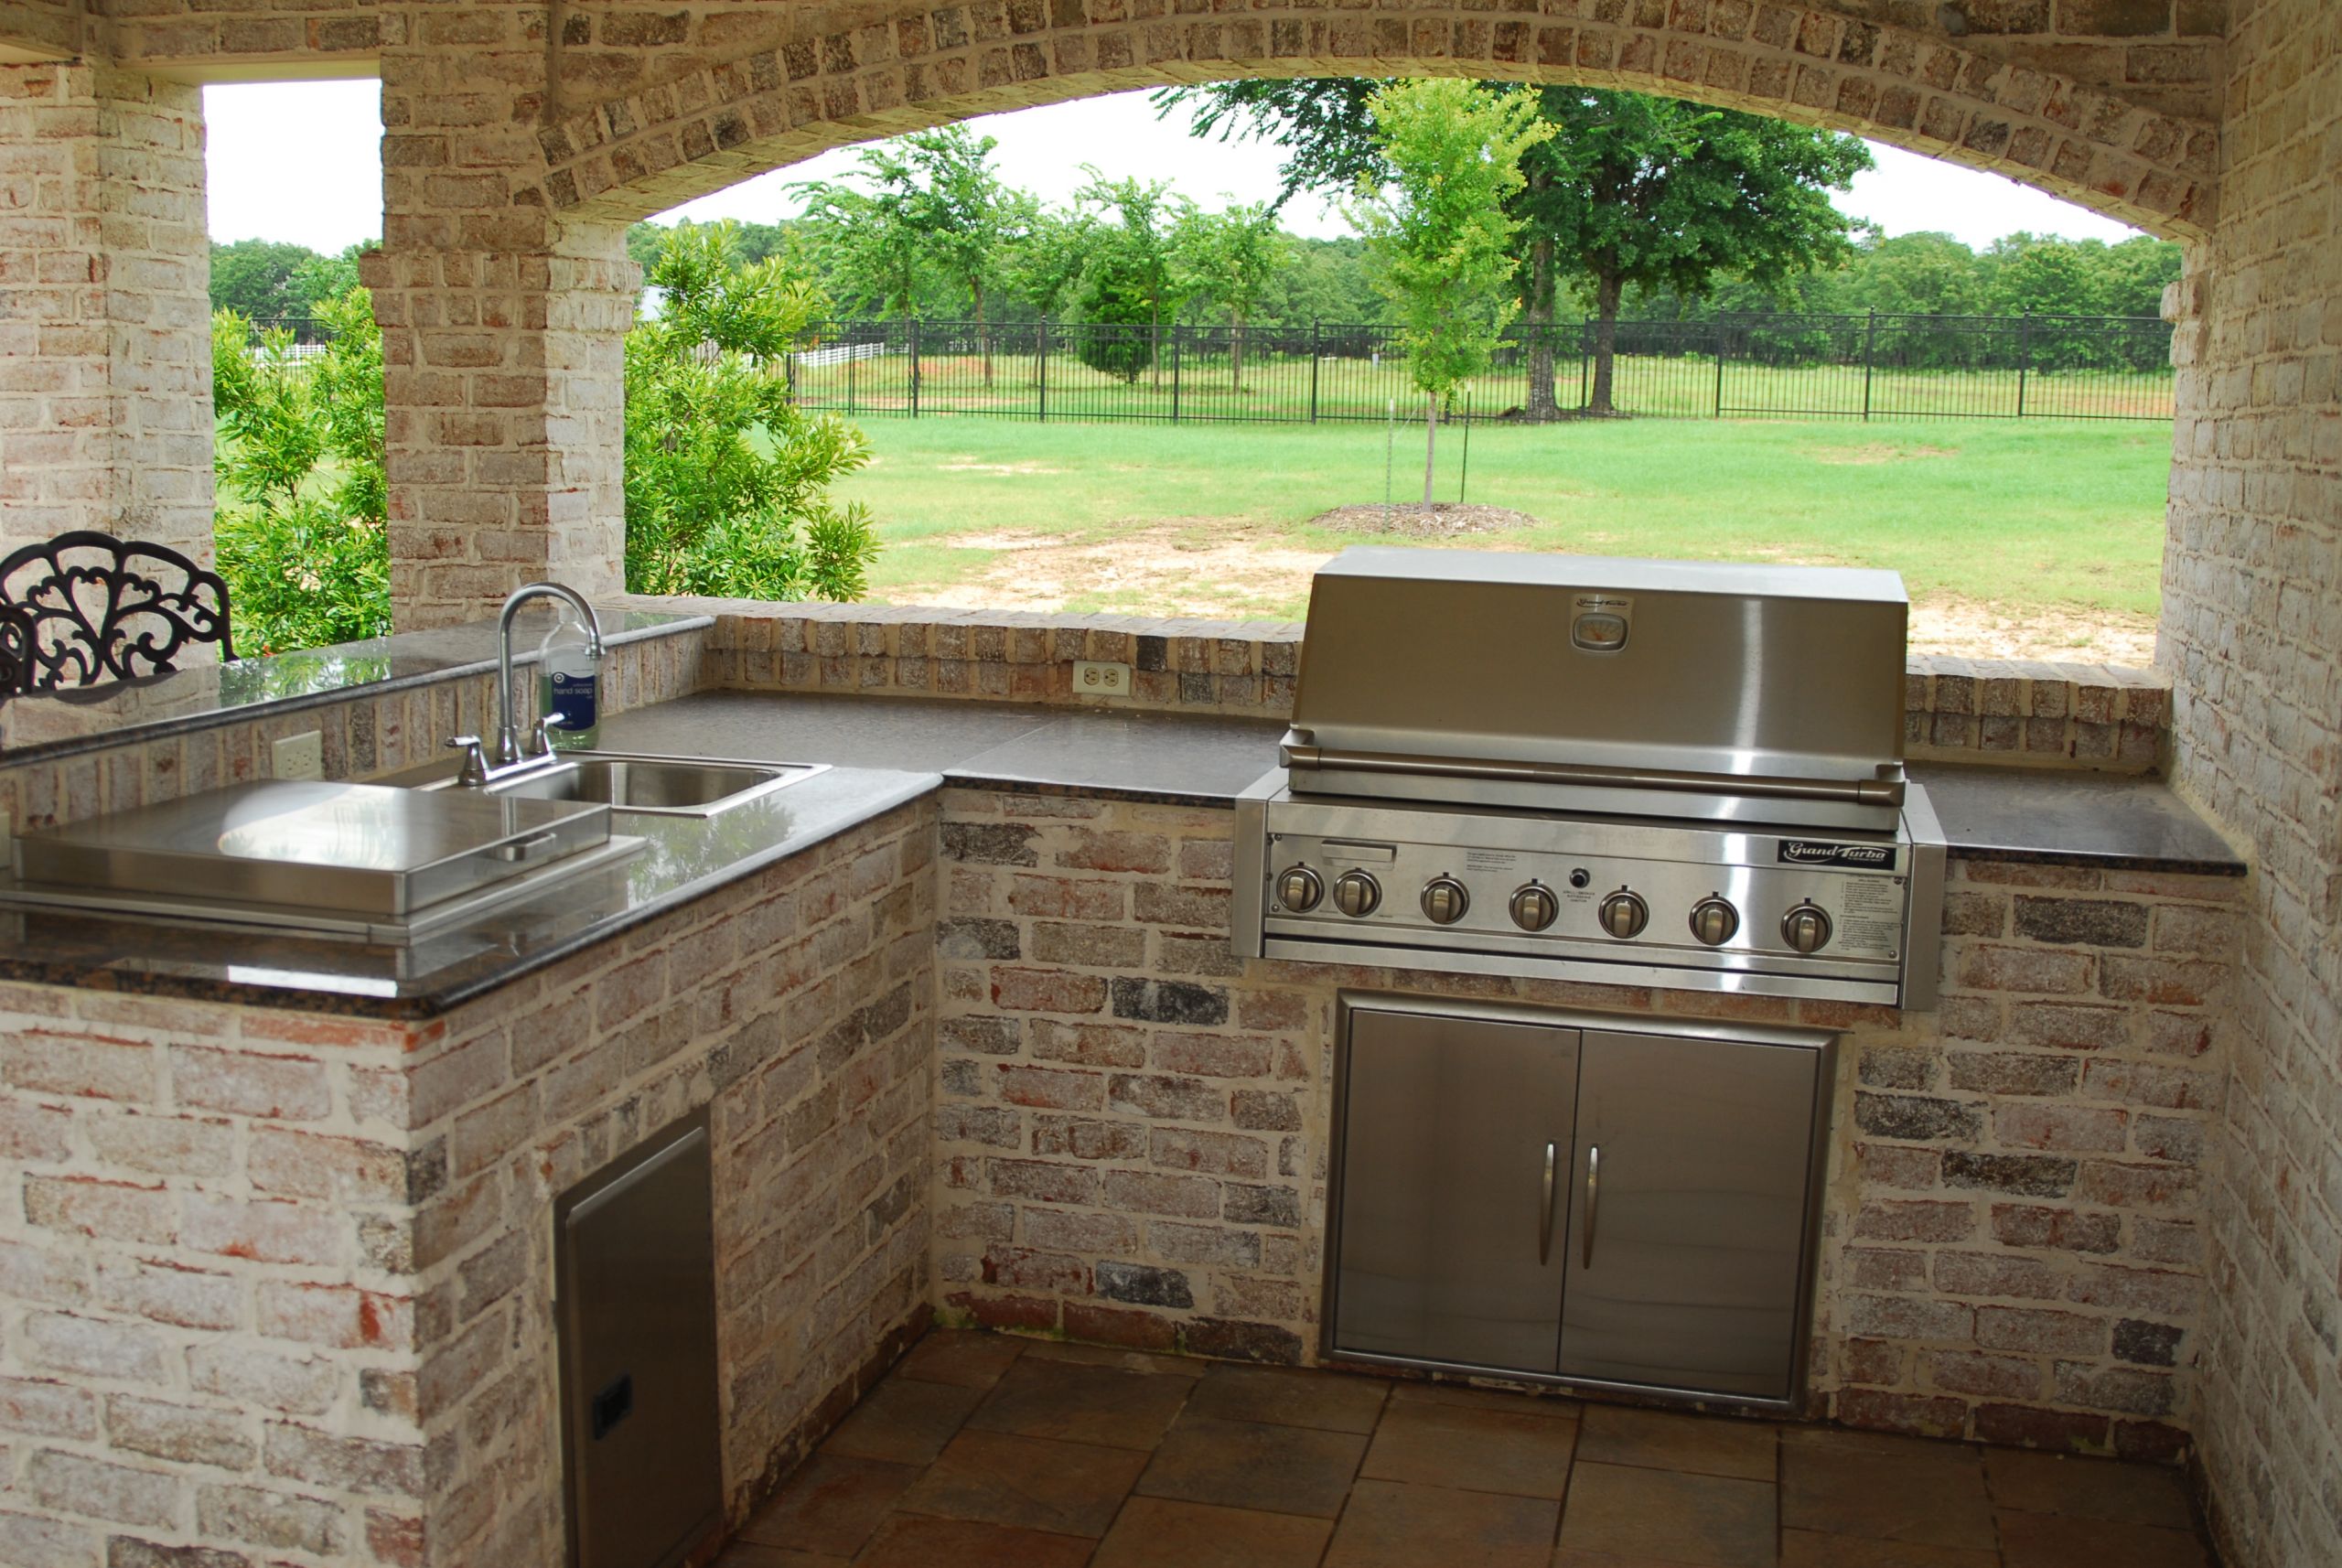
[904,1421]
[1887,1495]
[1252,1465]
[2087,1488]
[1031,1482]
[1472,1449]
[1391,1525]
[1808,1549]
[1667,1440]
[2047,1541]
[1162,1532]
[1551,1406]
[1710,1521]
[909,1541]
[1077,1403]
[1877,1444]
[1121,1360]
[1284,1397]
[1578,1557]
[968,1356]
[831,1505]
[749,1554]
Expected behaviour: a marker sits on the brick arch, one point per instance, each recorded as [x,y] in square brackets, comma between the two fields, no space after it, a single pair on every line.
[928,64]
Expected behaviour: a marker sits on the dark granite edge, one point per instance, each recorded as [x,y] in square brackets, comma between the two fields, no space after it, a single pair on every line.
[424,1004]
[957,779]
[146,733]
[2102,860]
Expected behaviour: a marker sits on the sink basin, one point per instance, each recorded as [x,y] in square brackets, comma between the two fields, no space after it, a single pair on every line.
[661,786]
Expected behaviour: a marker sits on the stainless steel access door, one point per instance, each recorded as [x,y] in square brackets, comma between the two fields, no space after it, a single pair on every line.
[635,1261]
[1455,1142]
[1688,1195]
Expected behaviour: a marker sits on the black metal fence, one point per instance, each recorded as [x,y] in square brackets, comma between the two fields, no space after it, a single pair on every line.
[1781,366]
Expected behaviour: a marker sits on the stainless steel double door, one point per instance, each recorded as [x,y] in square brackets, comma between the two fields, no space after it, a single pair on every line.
[1585,1203]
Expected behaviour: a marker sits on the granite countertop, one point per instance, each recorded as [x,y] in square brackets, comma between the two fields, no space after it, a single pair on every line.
[883,752]
[681,859]
[2115,821]
[2112,820]
[1169,757]
[58,723]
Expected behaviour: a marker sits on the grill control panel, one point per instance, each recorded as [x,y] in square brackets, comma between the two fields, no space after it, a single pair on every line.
[1760,901]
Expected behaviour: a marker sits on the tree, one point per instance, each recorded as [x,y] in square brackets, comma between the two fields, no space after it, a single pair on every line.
[963,213]
[300,522]
[1440,228]
[1129,273]
[254,278]
[1228,258]
[933,222]
[1632,192]
[726,479]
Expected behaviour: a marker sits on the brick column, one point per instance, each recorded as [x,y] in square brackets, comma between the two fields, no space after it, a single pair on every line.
[105,346]
[502,334]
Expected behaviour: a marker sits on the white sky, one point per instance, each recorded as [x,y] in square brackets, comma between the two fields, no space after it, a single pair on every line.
[300,161]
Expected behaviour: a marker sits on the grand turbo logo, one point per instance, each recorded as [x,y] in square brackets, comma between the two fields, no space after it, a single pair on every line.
[1860,857]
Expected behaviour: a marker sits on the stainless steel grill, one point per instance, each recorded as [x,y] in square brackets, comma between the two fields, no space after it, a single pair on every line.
[1650,773]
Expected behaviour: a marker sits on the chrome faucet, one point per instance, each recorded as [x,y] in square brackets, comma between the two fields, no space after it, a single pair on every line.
[508,734]
[478,769]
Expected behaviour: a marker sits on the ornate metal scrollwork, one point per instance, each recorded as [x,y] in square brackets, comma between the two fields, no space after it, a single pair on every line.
[92,607]
[15,650]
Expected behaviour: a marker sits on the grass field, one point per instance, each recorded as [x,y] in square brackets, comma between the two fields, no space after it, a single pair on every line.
[2034,540]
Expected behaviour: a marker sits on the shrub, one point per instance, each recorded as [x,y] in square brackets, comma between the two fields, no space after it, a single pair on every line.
[726,478]
[299,521]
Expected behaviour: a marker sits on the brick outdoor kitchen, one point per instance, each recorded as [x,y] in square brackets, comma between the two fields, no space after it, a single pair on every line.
[977,1043]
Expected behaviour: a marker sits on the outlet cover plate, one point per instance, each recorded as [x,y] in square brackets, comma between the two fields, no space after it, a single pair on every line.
[299,756]
[1091,679]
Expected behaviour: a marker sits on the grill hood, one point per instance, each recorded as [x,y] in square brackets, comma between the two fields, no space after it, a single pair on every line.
[1587,683]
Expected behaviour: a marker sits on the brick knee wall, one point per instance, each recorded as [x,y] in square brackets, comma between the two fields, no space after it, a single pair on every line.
[1131,1126]
[277,1282]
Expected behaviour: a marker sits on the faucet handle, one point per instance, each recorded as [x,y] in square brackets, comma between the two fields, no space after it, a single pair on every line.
[473,774]
[546,722]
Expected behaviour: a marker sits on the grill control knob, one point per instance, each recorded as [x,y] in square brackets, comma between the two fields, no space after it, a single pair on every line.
[1624,914]
[1444,900]
[1298,890]
[1806,927]
[1534,907]
[1713,920]
[1356,894]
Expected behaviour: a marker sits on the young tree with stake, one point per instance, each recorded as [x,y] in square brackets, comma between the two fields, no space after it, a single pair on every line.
[1439,228]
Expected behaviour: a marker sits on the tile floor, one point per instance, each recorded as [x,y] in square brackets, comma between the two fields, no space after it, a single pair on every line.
[983,1451]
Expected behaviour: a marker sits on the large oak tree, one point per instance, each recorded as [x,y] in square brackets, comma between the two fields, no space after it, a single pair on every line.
[1632,191]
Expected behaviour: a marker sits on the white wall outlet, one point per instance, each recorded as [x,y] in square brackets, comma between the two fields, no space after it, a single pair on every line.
[1091,679]
[299,756]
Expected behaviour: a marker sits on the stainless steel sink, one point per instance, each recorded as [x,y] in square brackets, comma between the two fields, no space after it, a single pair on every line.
[658,785]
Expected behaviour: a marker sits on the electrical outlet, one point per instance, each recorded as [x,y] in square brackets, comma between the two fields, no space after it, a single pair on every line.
[1094,680]
[298,757]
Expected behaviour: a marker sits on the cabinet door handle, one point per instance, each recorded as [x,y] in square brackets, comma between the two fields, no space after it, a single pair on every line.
[1593,1201]
[1545,1210]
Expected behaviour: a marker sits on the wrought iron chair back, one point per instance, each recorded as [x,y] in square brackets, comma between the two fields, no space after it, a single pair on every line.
[87,607]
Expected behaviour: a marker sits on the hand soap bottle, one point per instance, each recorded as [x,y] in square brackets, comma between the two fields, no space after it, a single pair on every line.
[569,682]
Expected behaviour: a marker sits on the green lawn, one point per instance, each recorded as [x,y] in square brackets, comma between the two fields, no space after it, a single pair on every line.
[2032,517]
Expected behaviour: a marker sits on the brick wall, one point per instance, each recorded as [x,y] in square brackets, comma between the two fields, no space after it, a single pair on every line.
[2252,626]
[2023,713]
[1132,1126]
[105,348]
[273,1283]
